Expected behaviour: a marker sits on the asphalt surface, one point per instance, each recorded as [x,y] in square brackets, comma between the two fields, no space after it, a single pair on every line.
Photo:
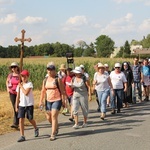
[128,130]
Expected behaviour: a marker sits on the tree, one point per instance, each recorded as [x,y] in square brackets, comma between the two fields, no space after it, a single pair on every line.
[104,46]
[121,52]
[146,42]
[127,48]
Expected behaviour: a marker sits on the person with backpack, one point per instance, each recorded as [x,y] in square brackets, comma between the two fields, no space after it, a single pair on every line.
[54,90]
[11,85]
[62,73]
[81,93]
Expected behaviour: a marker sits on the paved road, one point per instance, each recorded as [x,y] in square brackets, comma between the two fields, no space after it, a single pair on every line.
[129,130]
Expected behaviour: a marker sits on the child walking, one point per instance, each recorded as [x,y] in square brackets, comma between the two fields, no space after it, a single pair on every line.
[25,104]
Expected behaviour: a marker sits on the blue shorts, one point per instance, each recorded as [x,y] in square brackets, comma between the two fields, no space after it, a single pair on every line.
[53,105]
[26,111]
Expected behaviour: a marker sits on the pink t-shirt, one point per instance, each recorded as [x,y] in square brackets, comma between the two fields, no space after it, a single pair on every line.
[13,82]
[52,91]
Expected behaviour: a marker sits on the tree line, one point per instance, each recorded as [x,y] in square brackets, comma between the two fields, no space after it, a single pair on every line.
[102,47]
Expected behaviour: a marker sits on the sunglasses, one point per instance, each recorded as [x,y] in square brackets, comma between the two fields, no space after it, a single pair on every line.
[13,66]
[117,67]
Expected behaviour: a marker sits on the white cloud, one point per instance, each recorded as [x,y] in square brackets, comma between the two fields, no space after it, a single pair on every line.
[121,25]
[145,26]
[2,2]
[124,1]
[145,2]
[77,21]
[73,23]
[10,18]
[33,20]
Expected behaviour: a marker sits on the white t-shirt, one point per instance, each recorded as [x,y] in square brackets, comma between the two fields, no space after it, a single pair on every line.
[101,81]
[86,75]
[26,100]
[117,80]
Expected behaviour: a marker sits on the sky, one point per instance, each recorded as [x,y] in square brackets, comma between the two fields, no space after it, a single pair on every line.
[69,21]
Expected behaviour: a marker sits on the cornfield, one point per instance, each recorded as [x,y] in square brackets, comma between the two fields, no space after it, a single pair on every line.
[37,67]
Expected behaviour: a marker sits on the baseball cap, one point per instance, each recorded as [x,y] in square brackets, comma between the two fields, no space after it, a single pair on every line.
[25,73]
[51,67]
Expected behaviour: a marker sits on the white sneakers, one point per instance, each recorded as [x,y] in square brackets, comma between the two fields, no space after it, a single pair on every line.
[77,126]
[84,125]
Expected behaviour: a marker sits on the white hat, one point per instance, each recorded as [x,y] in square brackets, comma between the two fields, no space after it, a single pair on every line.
[14,64]
[50,63]
[100,65]
[77,70]
[125,63]
[149,59]
[117,65]
[82,66]
[106,65]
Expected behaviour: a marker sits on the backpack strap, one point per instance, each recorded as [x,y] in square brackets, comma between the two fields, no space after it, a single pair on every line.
[56,81]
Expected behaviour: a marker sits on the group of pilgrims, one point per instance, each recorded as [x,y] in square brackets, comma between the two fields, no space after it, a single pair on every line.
[70,89]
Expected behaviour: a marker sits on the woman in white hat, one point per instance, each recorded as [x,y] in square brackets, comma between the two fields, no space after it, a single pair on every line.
[119,83]
[102,84]
[82,92]
[11,84]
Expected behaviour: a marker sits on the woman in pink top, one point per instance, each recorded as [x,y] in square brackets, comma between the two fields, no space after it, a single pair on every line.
[11,84]
[55,95]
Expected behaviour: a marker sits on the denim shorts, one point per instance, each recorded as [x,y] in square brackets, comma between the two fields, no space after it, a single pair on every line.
[26,111]
[53,105]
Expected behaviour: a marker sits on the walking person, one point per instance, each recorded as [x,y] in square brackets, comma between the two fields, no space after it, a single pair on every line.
[94,90]
[53,88]
[126,69]
[25,104]
[69,90]
[62,75]
[11,84]
[102,85]
[82,92]
[108,72]
[136,69]
[145,78]
[119,83]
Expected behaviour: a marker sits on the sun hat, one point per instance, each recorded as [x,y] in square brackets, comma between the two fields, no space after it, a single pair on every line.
[77,70]
[82,66]
[25,73]
[117,65]
[14,64]
[100,65]
[62,66]
[51,67]
[106,65]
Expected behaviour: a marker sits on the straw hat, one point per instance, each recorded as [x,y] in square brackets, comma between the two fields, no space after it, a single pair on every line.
[100,65]
[62,66]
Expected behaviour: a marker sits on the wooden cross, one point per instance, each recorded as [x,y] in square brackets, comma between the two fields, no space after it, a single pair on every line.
[22,40]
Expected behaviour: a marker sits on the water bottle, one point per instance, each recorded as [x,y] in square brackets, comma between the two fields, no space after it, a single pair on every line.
[41,107]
